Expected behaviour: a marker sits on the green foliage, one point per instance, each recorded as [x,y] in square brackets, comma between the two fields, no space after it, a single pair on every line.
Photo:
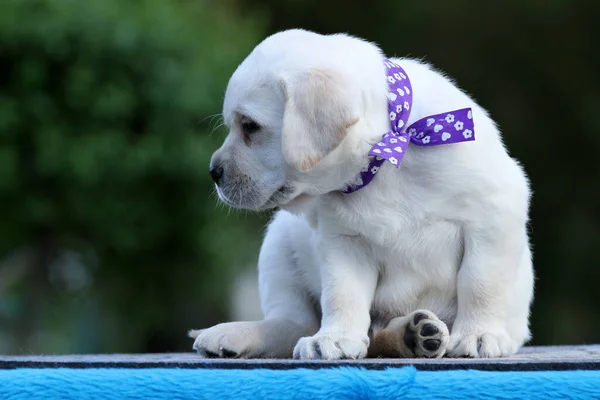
[103,157]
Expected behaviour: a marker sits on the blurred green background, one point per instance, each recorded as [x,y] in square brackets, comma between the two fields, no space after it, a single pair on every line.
[111,238]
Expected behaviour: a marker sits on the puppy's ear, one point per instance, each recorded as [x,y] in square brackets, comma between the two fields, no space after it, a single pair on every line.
[318,112]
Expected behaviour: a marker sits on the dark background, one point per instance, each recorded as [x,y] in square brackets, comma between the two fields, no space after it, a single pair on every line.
[111,239]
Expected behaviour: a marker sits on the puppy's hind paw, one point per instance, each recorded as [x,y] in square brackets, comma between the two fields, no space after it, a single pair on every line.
[426,336]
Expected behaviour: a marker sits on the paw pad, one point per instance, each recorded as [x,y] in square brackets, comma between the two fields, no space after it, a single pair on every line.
[426,336]
[432,344]
[229,353]
[429,330]
[418,318]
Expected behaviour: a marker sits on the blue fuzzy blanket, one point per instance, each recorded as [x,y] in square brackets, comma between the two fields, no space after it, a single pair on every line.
[337,383]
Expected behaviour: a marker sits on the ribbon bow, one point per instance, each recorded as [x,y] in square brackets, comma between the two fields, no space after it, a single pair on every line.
[446,128]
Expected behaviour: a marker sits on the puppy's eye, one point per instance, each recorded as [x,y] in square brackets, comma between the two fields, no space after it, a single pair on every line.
[248,126]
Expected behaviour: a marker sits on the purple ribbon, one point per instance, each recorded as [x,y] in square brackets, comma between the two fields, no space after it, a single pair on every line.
[446,128]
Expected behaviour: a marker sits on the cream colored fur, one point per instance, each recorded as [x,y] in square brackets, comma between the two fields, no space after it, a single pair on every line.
[445,233]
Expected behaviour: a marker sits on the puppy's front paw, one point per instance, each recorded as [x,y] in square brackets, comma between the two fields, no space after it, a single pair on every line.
[481,343]
[426,335]
[229,340]
[327,346]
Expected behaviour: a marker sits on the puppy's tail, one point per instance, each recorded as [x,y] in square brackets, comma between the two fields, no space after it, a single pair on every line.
[194,333]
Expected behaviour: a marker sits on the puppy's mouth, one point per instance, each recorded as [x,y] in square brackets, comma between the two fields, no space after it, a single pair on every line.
[280,197]
[224,198]
[290,198]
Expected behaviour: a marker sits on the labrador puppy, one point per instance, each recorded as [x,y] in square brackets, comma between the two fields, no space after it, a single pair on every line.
[428,259]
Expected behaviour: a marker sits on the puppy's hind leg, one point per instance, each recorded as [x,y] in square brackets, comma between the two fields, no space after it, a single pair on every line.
[289,312]
[269,338]
[419,334]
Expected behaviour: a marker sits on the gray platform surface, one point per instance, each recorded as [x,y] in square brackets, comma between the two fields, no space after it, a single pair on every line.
[528,359]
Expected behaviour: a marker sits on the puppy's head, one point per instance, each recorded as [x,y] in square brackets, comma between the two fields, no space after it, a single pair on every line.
[289,107]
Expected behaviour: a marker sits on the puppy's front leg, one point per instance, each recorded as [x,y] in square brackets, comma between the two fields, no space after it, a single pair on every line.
[495,285]
[348,280]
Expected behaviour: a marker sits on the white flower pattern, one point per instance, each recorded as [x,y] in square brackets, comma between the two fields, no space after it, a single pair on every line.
[432,130]
[357,181]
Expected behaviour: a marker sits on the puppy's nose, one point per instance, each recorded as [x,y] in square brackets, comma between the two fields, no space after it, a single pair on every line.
[216,173]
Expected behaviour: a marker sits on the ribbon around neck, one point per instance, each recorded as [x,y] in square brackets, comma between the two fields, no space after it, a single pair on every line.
[446,128]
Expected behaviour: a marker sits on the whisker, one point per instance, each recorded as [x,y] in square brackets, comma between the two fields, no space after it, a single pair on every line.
[217,127]
[212,117]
